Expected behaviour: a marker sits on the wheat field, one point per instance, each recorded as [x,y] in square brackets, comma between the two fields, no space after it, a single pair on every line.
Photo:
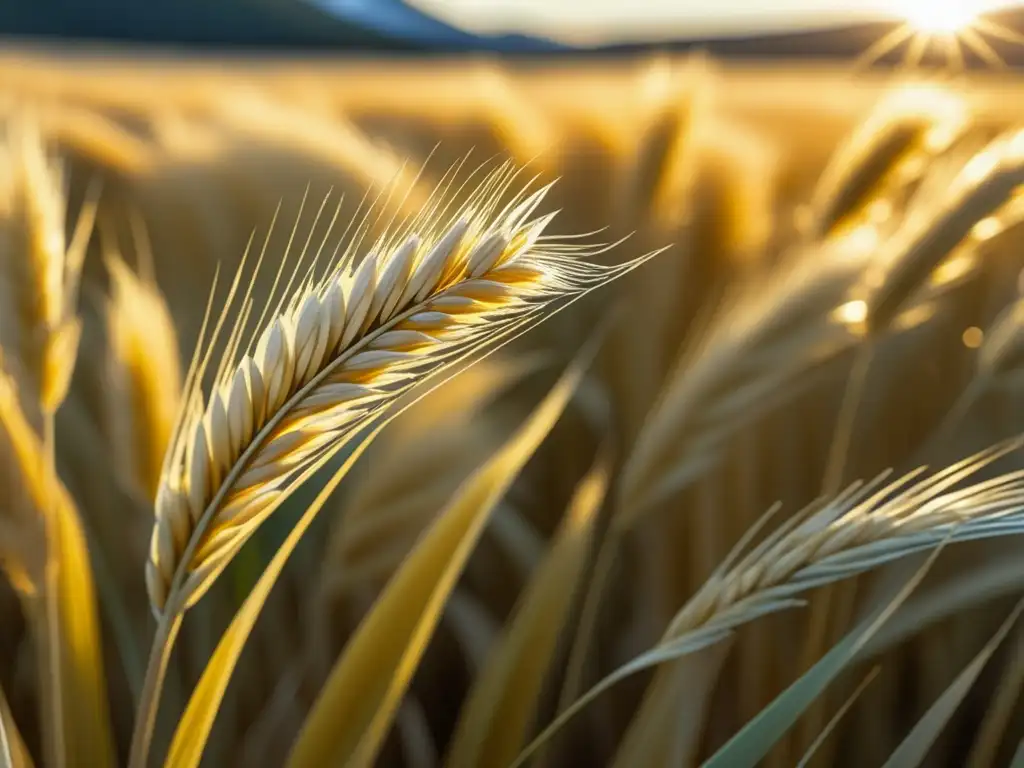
[641,412]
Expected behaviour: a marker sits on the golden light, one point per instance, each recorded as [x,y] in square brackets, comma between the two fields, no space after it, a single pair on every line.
[940,17]
[973,337]
[852,312]
[952,26]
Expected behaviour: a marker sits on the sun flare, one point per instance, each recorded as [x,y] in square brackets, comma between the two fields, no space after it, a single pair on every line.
[940,17]
[953,27]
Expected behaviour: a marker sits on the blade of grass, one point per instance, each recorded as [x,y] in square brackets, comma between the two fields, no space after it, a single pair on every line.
[357,704]
[499,709]
[840,713]
[1001,709]
[660,654]
[914,748]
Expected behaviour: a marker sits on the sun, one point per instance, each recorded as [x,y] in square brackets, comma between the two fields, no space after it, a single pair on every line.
[949,25]
[940,17]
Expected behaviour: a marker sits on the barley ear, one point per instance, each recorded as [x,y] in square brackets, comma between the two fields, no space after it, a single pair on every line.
[338,353]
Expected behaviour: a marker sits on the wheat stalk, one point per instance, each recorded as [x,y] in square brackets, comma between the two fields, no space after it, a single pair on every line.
[887,150]
[781,330]
[145,376]
[334,353]
[860,530]
[955,208]
[941,218]
[39,277]
[38,292]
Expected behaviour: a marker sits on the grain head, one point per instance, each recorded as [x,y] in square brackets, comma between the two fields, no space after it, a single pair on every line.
[891,146]
[145,376]
[39,285]
[938,223]
[336,351]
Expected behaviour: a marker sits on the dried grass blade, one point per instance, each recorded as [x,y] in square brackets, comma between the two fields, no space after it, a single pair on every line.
[498,710]
[914,748]
[357,704]
[87,735]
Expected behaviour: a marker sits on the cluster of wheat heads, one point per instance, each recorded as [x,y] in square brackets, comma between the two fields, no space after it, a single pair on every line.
[627,602]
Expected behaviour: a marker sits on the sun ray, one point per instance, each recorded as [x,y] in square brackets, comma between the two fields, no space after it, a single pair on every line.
[980,46]
[955,27]
[998,31]
[916,51]
[889,42]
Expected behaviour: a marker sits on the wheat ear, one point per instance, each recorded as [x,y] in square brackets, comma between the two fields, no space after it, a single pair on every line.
[862,529]
[341,348]
[39,326]
[858,531]
[145,375]
[888,149]
[337,351]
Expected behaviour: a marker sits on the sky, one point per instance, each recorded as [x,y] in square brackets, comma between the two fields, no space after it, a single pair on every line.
[587,21]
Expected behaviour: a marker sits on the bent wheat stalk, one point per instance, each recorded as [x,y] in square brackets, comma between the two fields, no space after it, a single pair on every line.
[944,217]
[335,353]
[861,529]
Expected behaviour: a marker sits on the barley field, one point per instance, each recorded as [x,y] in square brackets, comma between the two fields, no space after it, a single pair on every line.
[650,411]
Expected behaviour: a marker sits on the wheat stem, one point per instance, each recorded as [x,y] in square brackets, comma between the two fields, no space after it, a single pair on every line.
[334,356]
[862,529]
[51,651]
[846,422]
[149,699]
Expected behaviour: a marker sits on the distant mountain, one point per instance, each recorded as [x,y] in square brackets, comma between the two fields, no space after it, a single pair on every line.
[398,18]
[261,24]
[387,26]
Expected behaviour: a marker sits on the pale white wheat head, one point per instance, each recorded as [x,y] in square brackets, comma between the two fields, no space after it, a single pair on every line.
[337,351]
